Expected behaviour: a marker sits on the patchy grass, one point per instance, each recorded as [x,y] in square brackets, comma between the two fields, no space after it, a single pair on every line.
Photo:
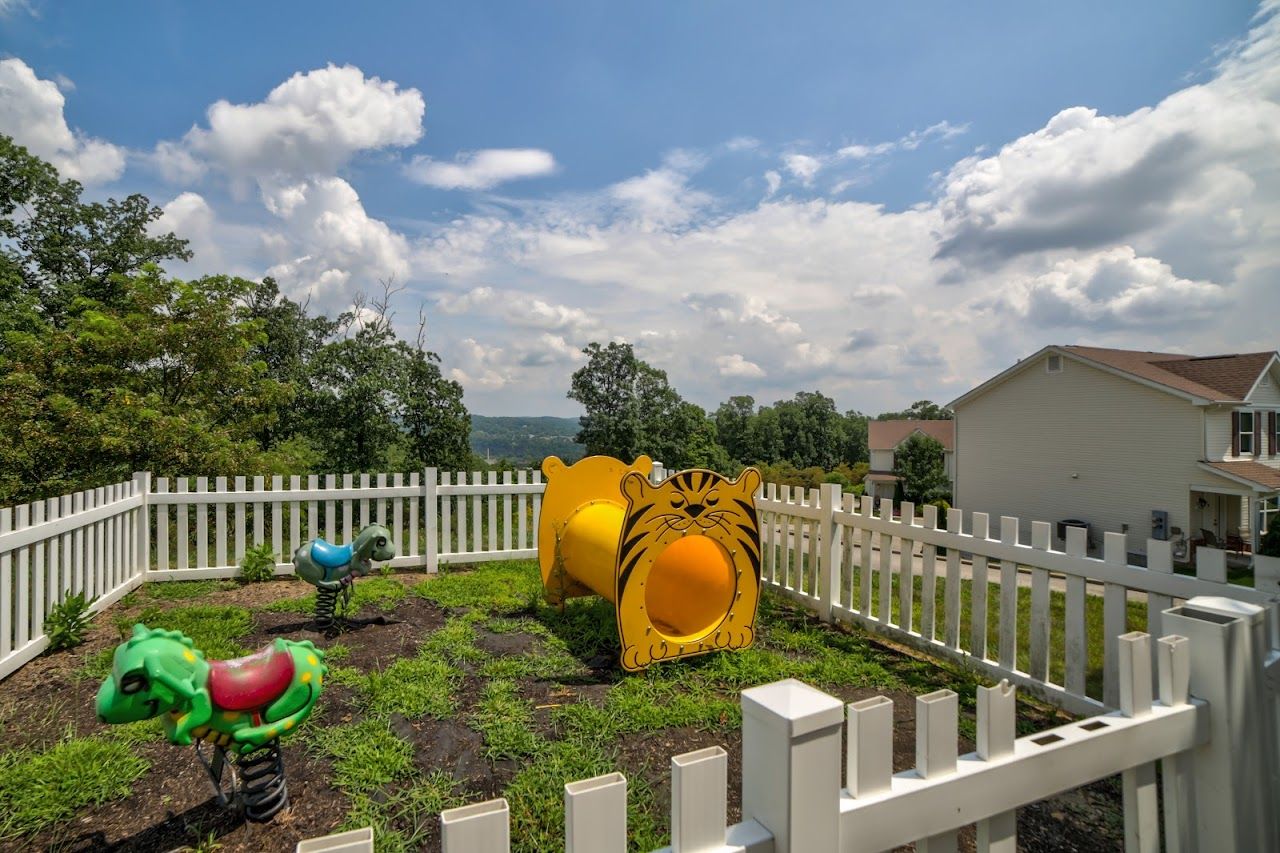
[40,789]
[384,593]
[180,590]
[402,818]
[503,586]
[506,722]
[417,686]
[366,755]
[216,631]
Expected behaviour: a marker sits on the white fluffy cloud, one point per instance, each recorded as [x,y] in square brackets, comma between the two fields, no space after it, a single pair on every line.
[329,246]
[31,111]
[311,124]
[735,365]
[481,170]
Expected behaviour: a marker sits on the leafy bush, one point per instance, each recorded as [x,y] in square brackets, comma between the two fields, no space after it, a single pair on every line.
[67,622]
[1270,544]
[258,564]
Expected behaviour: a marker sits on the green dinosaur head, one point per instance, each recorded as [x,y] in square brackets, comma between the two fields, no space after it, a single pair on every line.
[154,671]
[374,543]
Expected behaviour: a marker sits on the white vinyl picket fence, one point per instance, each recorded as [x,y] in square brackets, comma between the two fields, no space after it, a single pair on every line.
[1216,793]
[850,560]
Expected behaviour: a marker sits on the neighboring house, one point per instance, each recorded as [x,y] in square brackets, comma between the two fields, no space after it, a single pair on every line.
[1148,444]
[883,437]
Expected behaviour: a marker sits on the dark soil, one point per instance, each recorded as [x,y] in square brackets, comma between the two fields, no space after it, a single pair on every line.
[172,806]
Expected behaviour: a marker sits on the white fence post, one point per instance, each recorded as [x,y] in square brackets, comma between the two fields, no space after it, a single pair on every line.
[997,711]
[478,828]
[430,512]
[595,815]
[791,764]
[142,526]
[1232,778]
[355,841]
[699,800]
[869,747]
[829,555]
[657,473]
[937,750]
[1141,804]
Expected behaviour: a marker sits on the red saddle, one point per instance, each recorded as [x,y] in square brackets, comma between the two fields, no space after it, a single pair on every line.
[249,683]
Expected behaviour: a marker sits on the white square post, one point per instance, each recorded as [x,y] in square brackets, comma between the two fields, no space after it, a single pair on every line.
[791,764]
[1233,772]
[477,828]
[595,815]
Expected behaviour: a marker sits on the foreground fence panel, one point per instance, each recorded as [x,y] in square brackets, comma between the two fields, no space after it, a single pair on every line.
[1207,706]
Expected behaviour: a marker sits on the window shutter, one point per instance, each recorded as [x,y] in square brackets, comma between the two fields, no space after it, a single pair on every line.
[1271,447]
[1235,433]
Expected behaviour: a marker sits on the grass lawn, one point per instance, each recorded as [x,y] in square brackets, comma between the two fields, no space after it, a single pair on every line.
[444,690]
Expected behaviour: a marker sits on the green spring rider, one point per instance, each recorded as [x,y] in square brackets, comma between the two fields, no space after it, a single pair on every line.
[241,706]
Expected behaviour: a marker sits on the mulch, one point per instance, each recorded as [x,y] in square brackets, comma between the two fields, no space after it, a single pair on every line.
[172,805]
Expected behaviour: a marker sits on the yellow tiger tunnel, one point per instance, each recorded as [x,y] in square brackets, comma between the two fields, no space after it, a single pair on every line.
[680,560]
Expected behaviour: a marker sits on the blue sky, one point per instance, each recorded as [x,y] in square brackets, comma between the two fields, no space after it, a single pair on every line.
[880,201]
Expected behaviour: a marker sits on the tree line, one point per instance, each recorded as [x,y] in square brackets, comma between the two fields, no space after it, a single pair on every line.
[631,408]
[110,366]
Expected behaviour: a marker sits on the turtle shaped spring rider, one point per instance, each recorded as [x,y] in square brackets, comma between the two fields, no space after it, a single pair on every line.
[334,568]
[239,706]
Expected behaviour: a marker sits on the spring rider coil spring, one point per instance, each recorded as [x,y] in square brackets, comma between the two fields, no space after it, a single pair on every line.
[680,560]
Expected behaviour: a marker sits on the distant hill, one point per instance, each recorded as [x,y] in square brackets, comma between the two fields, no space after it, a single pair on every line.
[525,440]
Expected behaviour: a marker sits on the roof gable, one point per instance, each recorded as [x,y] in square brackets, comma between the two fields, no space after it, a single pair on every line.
[887,435]
[1200,379]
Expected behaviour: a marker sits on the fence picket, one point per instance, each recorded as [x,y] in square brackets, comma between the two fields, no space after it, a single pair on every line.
[937,722]
[202,525]
[78,545]
[928,575]
[39,598]
[277,517]
[1008,597]
[506,513]
[595,815]
[295,519]
[906,568]
[848,566]
[397,506]
[864,561]
[181,537]
[493,512]
[951,607]
[997,710]
[885,589]
[364,502]
[446,515]
[537,509]
[978,591]
[259,514]
[240,512]
[411,548]
[220,522]
[330,511]
[430,510]
[477,541]
[1114,620]
[348,515]
[1040,614]
[1075,628]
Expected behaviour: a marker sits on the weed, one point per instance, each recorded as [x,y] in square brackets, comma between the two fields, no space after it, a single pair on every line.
[258,564]
[506,721]
[215,630]
[502,586]
[413,687]
[402,819]
[68,621]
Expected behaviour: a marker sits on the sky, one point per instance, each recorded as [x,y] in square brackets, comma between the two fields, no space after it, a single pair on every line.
[881,202]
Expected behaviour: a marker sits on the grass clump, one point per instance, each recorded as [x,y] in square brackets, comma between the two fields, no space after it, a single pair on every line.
[215,630]
[455,641]
[417,686]
[41,789]
[502,586]
[366,755]
[506,722]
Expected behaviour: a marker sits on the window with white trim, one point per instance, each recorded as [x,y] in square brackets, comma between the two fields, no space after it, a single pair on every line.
[1267,509]
[1053,364]
[1246,433]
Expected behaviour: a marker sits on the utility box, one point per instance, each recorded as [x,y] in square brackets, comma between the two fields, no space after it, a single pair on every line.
[1160,524]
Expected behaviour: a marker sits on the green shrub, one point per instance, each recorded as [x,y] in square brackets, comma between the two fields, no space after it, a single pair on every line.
[68,621]
[258,564]
[1270,544]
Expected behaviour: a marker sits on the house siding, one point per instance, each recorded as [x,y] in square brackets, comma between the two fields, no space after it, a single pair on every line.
[882,460]
[1133,448]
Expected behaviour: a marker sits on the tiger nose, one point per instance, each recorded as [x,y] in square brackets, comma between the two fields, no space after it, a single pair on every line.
[694,510]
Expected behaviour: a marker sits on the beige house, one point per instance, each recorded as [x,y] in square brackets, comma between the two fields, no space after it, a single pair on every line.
[1148,444]
[883,438]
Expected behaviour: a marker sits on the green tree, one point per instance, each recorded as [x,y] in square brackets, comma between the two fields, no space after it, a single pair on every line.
[812,430]
[856,448]
[920,463]
[920,410]
[436,424]
[630,407]
[733,428]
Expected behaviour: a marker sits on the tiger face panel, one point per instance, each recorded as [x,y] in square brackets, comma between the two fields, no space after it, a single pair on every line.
[688,569]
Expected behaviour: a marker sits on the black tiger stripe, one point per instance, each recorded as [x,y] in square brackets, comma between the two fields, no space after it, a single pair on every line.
[625,551]
[634,517]
[625,574]
[748,509]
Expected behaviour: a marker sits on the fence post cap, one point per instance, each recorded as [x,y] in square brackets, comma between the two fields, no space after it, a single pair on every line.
[793,706]
[1229,607]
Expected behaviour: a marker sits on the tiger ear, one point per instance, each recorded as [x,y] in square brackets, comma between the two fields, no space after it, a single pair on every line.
[634,486]
[552,466]
[748,481]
